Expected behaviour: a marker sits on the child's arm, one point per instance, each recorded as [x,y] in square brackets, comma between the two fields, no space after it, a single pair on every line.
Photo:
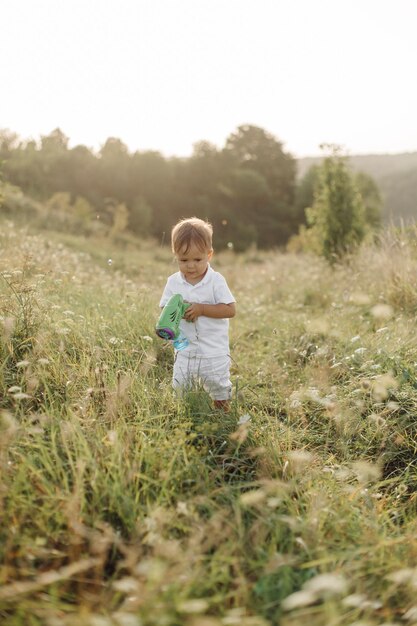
[218,311]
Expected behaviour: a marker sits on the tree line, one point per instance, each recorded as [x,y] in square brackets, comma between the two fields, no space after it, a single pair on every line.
[248,189]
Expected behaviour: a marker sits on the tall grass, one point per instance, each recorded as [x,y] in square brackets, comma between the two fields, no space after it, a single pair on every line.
[123,505]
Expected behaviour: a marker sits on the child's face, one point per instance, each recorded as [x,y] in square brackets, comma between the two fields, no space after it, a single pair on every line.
[193,263]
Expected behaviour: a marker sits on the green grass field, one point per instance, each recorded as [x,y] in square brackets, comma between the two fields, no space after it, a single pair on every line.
[121,505]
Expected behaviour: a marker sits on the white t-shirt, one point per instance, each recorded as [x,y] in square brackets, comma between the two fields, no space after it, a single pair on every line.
[207,336]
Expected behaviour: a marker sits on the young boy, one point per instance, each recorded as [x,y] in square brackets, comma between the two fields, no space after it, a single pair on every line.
[206,323]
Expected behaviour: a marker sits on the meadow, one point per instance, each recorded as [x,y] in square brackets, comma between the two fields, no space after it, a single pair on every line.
[121,505]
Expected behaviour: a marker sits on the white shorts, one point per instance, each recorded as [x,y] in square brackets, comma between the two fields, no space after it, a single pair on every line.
[213,373]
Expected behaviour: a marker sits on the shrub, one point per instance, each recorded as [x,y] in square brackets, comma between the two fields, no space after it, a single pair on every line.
[337,215]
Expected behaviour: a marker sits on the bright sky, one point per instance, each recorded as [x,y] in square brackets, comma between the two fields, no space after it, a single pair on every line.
[163,74]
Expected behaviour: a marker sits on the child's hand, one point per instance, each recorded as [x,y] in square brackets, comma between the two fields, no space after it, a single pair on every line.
[193,311]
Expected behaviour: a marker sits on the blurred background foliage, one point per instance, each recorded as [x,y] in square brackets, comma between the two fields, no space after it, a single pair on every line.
[252,190]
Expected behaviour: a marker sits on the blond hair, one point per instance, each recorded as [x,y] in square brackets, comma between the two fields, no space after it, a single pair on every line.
[190,231]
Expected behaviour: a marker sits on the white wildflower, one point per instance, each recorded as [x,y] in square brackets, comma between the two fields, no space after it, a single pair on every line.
[360,299]
[274,502]
[182,508]
[126,585]
[324,585]
[294,400]
[382,385]
[234,616]
[382,311]
[411,614]
[377,419]
[99,620]
[197,605]
[366,472]
[22,364]
[14,389]
[298,599]
[300,459]
[112,437]
[298,540]
[356,600]
[313,395]
[122,618]
[404,576]
[21,396]
[8,423]
[251,498]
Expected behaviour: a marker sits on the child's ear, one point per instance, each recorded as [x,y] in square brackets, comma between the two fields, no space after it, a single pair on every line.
[210,254]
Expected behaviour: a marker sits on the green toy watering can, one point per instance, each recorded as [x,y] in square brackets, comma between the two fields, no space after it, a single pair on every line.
[168,326]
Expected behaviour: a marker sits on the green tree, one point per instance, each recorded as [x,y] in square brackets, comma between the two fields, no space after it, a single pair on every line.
[337,215]
[9,142]
[120,219]
[249,197]
[365,184]
[151,180]
[140,217]
[371,198]
[82,175]
[304,195]
[59,202]
[23,167]
[83,215]
[253,149]
[55,142]
[245,189]
[113,169]
[54,161]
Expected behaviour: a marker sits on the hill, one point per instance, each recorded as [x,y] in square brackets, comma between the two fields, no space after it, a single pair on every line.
[395,175]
